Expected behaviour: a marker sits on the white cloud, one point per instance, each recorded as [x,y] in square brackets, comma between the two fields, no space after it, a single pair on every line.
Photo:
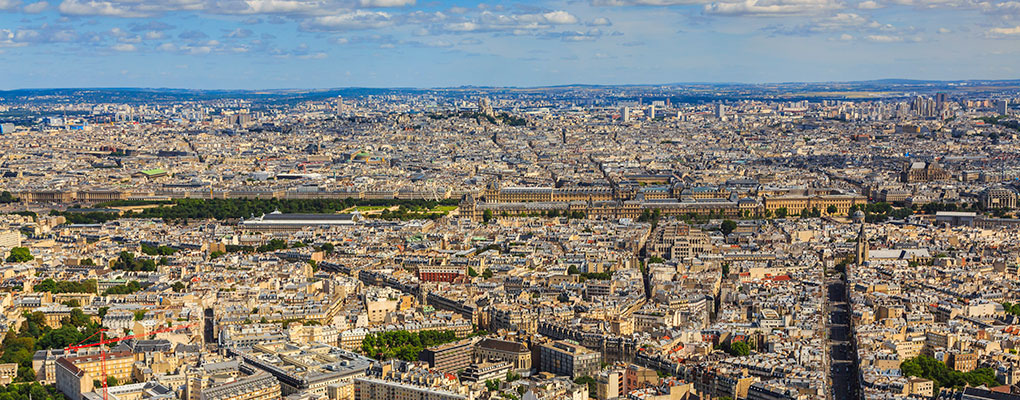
[269,7]
[601,21]
[125,47]
[559,18]
[517,24]
[36,8]
[387,3]
[999,32]
[7,39]
[883,38]
[358,19]
[647,2]
[439,43]
[9,4]
[869,5]
[101,8]
[240,33]
[935,3]
[771,7]
[462,27]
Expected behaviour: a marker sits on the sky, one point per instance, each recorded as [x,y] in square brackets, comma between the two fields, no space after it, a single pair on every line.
[268,44]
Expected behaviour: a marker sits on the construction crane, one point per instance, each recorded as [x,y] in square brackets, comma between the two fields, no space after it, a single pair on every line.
[103,341]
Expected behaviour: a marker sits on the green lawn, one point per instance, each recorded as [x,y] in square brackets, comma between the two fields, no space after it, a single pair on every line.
[371,208]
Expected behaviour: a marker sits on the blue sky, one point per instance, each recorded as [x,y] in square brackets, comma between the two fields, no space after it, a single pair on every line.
[252,44]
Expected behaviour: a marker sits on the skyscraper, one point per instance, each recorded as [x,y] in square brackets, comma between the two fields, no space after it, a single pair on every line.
[1002,107]
[720,111]
[626,114]
[651,112]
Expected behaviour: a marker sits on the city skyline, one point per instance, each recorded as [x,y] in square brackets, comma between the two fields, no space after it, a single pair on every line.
[266,44]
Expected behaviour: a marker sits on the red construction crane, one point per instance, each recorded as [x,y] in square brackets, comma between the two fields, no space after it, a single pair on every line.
[103,341]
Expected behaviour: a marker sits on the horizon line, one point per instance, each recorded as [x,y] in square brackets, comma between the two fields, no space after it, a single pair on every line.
[471,86]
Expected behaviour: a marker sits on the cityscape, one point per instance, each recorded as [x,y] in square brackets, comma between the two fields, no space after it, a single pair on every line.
[668,242]
[537,200]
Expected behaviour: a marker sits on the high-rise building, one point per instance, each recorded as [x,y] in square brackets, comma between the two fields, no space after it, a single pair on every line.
[8,240]
[569,359]
[720,111]
[6,128]
[1002,107]
[450,357]
[651,112]
[626,114]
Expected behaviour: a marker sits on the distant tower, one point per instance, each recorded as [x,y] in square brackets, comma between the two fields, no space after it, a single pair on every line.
[1002,107]
[940,101]
[651,112]
[862,246]
[720,111]
[626,114]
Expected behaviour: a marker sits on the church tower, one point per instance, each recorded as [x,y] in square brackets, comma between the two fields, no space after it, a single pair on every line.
[862,246]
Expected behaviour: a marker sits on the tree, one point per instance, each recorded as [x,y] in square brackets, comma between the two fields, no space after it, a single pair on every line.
[739,349]
[831,210]
[272,245]
[6,197]
[129,288]
[403,344]
[20,255]
[487,216]
[126,261]
[178,286]
[472,273]
[487,273]
[157,250]
[937,371]
[781,212]
[727,227]
[587,380]
[328,248]
[512,376]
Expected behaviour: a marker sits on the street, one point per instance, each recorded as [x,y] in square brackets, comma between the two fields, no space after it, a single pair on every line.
[842,368]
